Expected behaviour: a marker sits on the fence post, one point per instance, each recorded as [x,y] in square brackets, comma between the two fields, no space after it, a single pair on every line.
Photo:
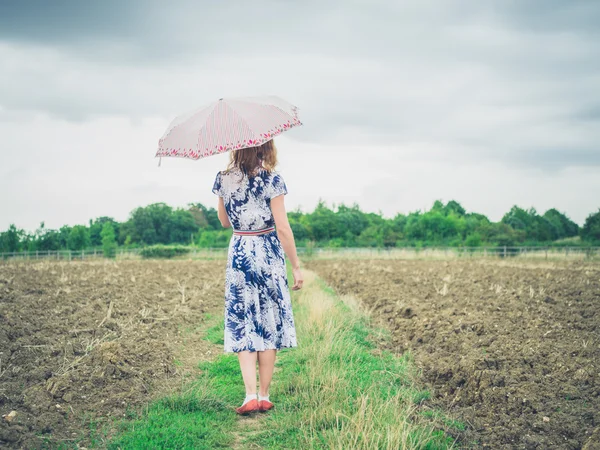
[505,251]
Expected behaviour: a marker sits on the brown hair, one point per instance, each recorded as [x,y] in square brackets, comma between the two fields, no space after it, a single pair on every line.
[251,158]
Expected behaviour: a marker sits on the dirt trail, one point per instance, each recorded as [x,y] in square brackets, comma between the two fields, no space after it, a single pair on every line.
[513,350]
[84,342]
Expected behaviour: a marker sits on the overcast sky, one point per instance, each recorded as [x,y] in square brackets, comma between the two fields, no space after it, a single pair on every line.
[490,103]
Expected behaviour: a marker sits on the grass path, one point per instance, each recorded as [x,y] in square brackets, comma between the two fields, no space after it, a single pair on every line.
[336,390]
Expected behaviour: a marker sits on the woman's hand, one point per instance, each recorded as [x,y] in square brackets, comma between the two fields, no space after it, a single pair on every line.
[298,279]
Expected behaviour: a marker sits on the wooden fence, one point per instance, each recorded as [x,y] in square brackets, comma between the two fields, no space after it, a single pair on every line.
[585,253]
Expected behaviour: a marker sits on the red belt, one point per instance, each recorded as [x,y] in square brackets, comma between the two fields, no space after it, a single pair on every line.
[253,232]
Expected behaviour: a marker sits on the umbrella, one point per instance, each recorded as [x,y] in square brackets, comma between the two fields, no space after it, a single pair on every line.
[227,124]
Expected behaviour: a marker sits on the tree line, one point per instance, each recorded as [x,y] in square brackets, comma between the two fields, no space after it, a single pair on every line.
[336,226]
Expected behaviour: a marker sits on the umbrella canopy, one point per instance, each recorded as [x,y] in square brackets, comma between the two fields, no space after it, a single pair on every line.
[227,124]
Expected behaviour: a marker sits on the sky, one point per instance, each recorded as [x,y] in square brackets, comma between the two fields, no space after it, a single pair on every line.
[489,103]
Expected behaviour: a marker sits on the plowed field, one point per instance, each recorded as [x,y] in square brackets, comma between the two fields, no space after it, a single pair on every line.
[82,343]
[511,349]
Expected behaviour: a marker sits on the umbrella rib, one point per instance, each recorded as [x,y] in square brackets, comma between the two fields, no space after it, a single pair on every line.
[183,122]
[228,111]
[243,119]
[295,115]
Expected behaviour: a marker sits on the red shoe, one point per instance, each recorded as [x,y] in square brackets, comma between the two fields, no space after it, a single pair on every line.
[264,405]
[251,406]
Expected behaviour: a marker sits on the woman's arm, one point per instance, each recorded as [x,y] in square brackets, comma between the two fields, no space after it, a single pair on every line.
[286,236]
[223,218]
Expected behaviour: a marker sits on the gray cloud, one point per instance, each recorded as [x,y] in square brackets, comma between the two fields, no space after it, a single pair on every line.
[504,81]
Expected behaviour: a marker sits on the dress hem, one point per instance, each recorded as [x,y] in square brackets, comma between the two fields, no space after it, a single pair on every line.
[276,348]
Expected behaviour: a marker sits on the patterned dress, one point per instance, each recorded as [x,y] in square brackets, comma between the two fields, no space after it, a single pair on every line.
[258,308]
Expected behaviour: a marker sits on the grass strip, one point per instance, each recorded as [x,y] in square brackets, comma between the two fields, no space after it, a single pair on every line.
[336,390]
[200,417]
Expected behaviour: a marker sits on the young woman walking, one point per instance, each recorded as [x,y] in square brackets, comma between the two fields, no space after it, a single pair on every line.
[258,309]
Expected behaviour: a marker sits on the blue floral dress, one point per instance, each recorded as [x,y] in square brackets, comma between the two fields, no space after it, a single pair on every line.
[258,308]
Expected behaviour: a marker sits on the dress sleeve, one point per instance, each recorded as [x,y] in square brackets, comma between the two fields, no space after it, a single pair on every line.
[276,187]
[218,185]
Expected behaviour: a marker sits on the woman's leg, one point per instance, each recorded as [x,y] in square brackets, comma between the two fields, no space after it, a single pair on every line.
[248,366]
[266,365]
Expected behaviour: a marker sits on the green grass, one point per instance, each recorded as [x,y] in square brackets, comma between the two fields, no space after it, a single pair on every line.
[201,417]
[335,390]
[215,333]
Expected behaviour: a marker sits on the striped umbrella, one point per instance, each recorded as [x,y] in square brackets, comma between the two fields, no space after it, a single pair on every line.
[227,124]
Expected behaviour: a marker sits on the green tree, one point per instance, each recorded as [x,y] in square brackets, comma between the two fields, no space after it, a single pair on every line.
[535,227]
[109,241]
[301,232]
[350,219]
[181,226]
[564,226]
[46,239]
[453,207]
[399,224]
[96,226]
[389,236]
[323,223]
[10,240]
[517,218]
[151,224]
[198,212]
[63,235]
[371,237]
[79,238]
[414,229]
[212,216]
[126,233]
[205,217]
[591,228]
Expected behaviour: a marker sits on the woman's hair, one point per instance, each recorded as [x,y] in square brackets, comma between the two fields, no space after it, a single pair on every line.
[249,159]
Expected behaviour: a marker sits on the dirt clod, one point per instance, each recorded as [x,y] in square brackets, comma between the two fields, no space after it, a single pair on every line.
[10,416]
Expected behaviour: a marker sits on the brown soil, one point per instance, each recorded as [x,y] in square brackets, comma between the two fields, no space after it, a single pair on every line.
[513,350]
[66,362]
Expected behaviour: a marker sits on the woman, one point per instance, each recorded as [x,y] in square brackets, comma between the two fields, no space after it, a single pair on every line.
[258,310]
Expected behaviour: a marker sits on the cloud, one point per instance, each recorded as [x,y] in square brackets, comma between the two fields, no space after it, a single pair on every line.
[508,85]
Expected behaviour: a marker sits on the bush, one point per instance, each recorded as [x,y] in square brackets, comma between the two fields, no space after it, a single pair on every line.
[473,240]
[214,238]
[164,251]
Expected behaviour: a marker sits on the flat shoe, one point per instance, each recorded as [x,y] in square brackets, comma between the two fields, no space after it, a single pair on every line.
[264,405]
[251,406]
